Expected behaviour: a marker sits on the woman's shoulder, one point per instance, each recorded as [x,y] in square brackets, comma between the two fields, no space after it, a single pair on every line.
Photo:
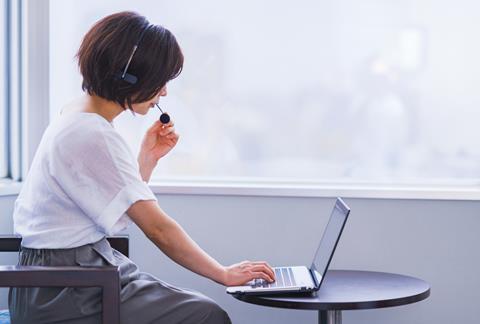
[78,132]
[80,124]
[77,118]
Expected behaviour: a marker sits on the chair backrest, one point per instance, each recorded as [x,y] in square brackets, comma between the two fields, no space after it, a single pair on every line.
[11,243]
[37,276]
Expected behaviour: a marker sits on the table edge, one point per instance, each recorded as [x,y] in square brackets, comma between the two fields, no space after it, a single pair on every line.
[339,306]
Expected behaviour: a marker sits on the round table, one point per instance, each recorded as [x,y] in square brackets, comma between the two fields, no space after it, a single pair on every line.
[347,290]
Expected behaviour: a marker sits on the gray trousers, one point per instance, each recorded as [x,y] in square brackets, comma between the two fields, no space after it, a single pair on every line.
[144,298]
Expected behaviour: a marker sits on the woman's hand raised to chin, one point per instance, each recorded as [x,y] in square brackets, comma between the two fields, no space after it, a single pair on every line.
[240,273]
[157,142]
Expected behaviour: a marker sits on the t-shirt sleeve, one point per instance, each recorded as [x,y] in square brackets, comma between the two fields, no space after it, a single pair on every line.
[100,175]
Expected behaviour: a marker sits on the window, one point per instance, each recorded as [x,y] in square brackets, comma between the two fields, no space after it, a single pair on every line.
[337,91]
[10,90]
[3,91]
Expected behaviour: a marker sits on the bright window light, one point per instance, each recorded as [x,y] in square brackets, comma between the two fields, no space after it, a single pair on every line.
[330,91]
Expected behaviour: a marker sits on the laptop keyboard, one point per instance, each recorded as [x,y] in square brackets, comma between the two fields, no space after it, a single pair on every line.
[283,278]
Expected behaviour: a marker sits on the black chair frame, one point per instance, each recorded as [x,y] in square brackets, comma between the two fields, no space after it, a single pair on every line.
[41,276]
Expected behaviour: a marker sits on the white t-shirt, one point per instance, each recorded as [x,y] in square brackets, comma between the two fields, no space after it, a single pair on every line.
[82,180]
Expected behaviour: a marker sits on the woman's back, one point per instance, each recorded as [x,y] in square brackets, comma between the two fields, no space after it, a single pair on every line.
[81,173]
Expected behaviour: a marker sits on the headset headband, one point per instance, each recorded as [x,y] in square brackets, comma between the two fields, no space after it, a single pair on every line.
[130,78]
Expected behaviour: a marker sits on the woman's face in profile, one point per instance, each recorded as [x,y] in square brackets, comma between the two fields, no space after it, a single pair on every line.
[143,107]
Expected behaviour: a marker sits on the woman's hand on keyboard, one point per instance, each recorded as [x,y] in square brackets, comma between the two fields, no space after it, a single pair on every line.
[243,272]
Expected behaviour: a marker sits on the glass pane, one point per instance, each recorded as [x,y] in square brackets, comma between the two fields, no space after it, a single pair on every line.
[3,92]
[325,91]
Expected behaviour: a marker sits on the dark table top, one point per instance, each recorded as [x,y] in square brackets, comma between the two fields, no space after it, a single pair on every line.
[350,289]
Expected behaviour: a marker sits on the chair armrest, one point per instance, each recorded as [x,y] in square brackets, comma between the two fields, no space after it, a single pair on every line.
[38,276]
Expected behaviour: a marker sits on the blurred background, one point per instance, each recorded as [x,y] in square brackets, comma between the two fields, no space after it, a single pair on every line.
[321,91]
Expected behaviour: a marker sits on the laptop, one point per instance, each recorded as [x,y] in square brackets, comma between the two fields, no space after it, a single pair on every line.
[303,279]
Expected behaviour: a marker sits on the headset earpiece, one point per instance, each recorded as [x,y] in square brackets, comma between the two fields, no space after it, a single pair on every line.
[130,78]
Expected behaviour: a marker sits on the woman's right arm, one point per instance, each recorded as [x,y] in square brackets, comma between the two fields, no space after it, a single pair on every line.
[170,237]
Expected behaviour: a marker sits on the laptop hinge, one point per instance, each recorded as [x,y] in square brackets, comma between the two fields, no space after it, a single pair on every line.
[314,278]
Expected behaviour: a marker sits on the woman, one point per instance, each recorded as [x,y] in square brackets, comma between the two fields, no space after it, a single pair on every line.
[84,184]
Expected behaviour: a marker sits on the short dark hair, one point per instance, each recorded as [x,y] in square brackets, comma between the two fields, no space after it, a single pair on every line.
[105,51]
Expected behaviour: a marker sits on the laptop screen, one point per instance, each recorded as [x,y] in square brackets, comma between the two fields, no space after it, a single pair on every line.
[329,241]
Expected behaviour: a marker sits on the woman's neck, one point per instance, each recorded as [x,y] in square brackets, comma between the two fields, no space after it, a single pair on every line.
[107,109]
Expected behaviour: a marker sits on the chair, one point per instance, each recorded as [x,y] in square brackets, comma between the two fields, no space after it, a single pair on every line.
[38,276]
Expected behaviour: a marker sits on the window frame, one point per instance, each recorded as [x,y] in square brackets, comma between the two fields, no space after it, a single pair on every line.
[12,95]
[26,86]
[4,91]
[14,87]
[302,190]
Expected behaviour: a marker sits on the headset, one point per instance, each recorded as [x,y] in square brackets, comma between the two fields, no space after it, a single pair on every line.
[132,79]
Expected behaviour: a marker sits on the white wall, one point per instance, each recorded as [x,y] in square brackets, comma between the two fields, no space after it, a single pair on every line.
[433,240]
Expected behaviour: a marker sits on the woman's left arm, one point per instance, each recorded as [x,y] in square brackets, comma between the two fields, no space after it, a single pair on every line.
[157,142]
[170,237]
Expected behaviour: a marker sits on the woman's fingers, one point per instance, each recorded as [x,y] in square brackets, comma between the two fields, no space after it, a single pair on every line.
[166,131]
[169,124]
[173,136]
[268,268]
[265,264]
[264,269]
[158,126]
[260,275]
[255,270]
[245,271]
